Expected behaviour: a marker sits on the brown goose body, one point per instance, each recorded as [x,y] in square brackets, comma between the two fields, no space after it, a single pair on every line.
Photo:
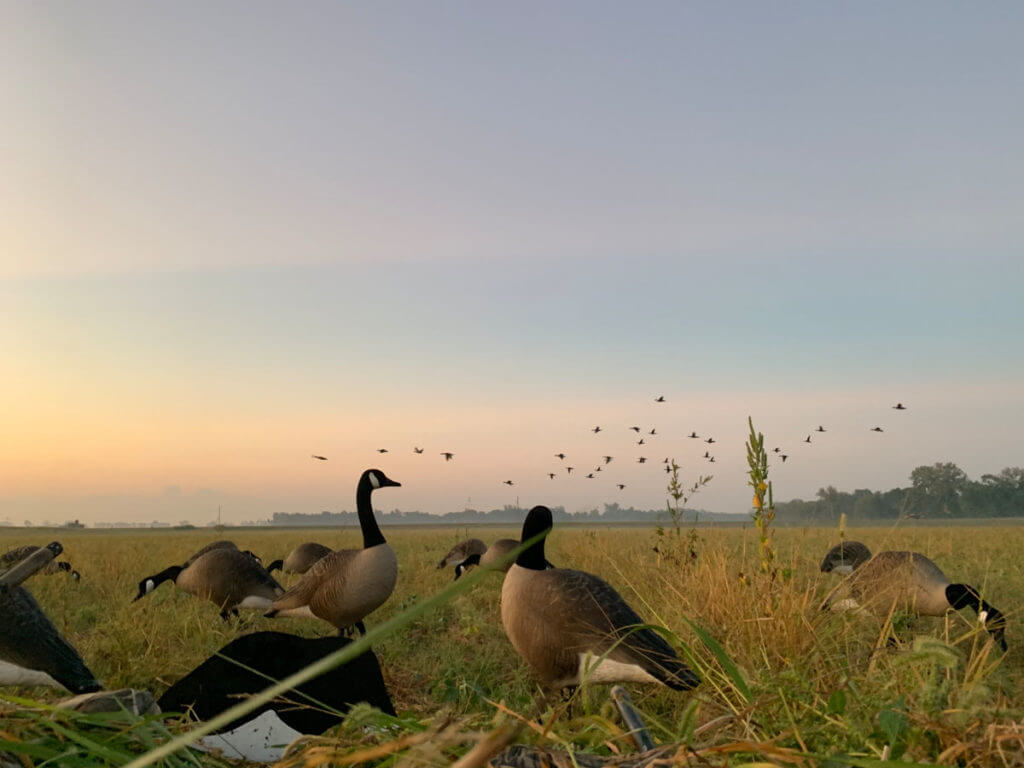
[497,551]
[461,551]
[563,621]
[345,586]
[209,548]
[230,579]
[304,557]
[14,556]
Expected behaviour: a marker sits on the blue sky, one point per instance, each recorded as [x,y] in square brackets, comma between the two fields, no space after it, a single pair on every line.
[488,226]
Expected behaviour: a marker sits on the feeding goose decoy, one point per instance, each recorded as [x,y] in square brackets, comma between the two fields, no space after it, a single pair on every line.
[461,551]
[300,559]
[562,622]
[227,577]
[494,554]
[906,580]
[14,556]
[32,651]
[348,584]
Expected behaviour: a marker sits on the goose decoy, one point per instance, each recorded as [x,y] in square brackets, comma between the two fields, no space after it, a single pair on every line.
[820,428]
[659,399]
[320,458]
[560,456]
[447,456]
[608,459]
[461,551]
[300,559]
[562,622]
[222,544]
[417,450]
[693,435]
[494,554]
[32,651]
[877,429]
[899,407]
[243,668]
[14,556]
[908,580]
[595,430]
[227,577]
[348,584]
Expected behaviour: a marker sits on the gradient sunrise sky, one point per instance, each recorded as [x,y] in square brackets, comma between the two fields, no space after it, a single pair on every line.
[238,234]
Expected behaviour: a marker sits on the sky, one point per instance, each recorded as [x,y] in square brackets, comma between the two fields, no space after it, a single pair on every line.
[237,235]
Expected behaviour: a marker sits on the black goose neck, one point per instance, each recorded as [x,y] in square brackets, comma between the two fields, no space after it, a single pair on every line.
[538,523]
[367,521]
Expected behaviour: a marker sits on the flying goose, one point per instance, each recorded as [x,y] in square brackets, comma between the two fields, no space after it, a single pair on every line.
[347,585]
[899,407]
[659,399]
[229,578]
[32,651]
[12,557]
[560,456]
[448,455]
[417,450]
[495,553]
[461,551]
[300,559]
[908,580]
[595,430]
[319,458]
[876,429]
[562,621]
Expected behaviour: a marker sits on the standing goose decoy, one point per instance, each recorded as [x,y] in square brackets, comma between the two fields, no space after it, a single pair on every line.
[461,551]
[349,584]
[32,651]
[229,578]
[499,550]
[300,559]
[563,621]
[908,580]
[12,557]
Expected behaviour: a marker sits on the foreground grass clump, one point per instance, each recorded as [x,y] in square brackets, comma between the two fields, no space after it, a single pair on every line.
[797,681]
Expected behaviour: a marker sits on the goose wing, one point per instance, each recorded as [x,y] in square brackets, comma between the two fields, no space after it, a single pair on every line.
[601,620]
[328,572]
[15,556]
[461,551]
[30,640]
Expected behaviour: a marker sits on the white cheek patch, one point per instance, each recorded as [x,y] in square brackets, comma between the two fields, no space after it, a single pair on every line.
[150,586]
[983,616]
[374,481]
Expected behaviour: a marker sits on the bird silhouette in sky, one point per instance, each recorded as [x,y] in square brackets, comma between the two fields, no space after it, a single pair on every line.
[653,432]
[659,399]
[448,456]
[820,428]
[321,458]
[784,457]
[877,429]
[568,470]
[712,459]
[668,469]
[508,482]
[776,450]
[710,440]
[590,476]
[597,469]
[636,429]
[560,456]
[608,459]
[707,454]
[665,460]
[641,460]
[595,430]
[417,450]
[693,435]
[808,439]
[551,475]
[382,450]
[621,486]
[640,441]
[899,407]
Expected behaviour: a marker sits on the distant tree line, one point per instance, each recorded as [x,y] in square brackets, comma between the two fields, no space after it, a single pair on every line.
[941,490]
[509,514]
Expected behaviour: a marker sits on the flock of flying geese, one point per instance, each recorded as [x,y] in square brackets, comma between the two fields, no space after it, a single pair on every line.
[569,626]
[643,434]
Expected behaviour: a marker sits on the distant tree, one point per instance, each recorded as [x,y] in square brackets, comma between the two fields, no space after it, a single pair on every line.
[937,489]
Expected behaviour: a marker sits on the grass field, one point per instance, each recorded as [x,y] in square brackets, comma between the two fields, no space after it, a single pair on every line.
[777,671]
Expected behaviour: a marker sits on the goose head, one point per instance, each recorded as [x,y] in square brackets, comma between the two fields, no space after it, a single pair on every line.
[538,523]
[844,557]
[372,479]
